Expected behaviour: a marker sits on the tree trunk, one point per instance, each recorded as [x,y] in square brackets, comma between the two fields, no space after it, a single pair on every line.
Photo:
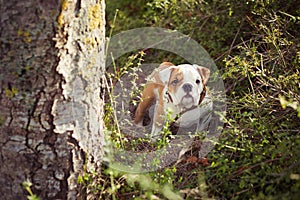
[52,61]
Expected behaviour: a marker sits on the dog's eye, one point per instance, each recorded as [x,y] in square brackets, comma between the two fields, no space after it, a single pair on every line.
[174,82]
[197,81]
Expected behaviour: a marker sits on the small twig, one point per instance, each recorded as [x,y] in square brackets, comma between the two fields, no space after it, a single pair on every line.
[234,39]
[242,191]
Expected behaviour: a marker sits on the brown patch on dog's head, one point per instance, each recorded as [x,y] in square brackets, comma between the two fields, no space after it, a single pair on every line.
[165,71]
[175,80]
[205,73]
[165,65]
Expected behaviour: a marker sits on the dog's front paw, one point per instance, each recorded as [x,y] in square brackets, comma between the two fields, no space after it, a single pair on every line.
[139,124]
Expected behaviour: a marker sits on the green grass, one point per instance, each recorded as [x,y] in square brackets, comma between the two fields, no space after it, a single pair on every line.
[256,46]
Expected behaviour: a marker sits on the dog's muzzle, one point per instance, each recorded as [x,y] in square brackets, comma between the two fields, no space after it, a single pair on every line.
[187,101]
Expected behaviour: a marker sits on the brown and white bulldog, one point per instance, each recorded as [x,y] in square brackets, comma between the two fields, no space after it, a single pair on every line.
[180,89]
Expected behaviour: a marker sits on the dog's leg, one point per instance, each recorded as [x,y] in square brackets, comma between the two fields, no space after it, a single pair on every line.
[159,120]
[147,99]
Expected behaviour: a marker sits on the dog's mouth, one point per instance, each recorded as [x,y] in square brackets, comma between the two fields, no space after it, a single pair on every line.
[187,101]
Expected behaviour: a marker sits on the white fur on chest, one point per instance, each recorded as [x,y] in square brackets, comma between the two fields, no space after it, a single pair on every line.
[192,116]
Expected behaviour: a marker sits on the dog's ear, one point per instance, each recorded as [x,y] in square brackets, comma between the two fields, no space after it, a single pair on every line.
[204,72]
[166,69]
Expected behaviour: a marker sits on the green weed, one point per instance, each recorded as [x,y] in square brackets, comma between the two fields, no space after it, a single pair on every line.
[27,186]
[256,46]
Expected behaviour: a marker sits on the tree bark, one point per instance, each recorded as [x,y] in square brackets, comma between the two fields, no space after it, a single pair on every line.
[51,129]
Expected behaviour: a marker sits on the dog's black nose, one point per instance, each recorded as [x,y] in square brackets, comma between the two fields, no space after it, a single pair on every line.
[187,87]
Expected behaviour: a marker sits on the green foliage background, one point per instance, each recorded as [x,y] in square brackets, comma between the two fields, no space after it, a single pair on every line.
[256,46]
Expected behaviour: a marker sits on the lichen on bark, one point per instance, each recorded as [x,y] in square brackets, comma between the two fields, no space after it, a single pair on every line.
[50,119]
[82,67]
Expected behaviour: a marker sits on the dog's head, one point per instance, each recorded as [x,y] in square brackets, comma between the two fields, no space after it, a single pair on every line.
[185,84]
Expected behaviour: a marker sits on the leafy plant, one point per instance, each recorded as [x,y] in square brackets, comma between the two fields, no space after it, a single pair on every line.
[27,186]
[256,46]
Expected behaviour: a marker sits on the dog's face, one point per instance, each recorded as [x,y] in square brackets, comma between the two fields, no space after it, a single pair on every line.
[185,84]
